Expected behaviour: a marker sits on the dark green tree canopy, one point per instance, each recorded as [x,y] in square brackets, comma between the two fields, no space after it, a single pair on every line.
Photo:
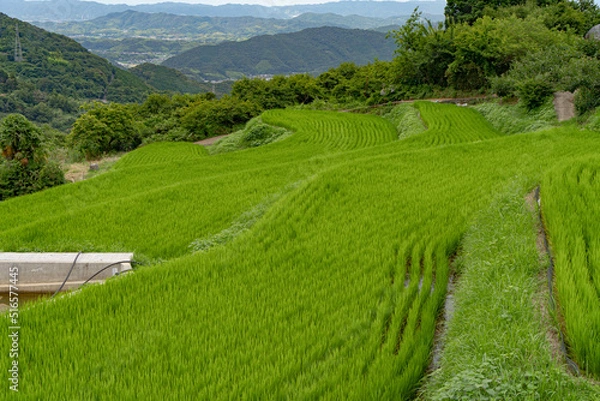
[20,139]
[24,168]
[458,11]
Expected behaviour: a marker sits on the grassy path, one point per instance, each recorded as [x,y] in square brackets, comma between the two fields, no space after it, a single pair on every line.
[496,346]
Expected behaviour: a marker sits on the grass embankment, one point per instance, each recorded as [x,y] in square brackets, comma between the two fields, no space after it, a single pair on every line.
[511,119]
[332,294]
[495,347]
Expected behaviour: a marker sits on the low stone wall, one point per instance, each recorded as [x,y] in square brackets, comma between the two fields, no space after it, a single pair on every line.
[564,105]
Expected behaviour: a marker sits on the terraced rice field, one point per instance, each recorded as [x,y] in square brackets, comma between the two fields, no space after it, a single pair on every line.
[572,216]
[331,291]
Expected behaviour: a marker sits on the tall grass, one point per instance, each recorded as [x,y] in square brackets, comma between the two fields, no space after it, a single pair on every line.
[515,119]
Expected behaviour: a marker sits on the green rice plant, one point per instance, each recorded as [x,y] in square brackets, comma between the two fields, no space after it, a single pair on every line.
[162,152]
[447,126]
[331,291]
[572,218]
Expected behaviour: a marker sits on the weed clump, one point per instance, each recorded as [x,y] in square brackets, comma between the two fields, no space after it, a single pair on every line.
[256,133]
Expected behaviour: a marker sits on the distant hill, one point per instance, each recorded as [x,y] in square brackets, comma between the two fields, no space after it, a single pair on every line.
[129,52]
[170,80]
[130,38]
[205,29]
[312,50]
[76,10]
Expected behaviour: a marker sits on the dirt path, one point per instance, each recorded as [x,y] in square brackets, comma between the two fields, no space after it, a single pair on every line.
[210,141]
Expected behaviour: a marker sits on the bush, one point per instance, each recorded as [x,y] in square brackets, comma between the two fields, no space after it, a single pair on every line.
[258,133]
[206,119]
[15,179]
[534,92]
[587,98]
[594,121]
[49,175]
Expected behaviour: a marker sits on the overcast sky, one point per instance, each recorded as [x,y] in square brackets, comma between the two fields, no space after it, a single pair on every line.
[219,2]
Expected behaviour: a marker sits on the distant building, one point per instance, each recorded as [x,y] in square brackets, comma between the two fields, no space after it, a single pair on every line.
[593,33]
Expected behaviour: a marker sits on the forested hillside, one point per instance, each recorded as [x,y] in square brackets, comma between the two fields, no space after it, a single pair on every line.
[48,74]
[309,51]
[170,80]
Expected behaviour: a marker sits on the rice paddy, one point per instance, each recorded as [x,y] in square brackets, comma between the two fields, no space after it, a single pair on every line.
[327,285]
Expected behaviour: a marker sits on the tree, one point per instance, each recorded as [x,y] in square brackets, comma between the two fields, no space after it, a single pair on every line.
[459,11]
[24,168]
[104,129]
[20,139]
[424,53]
[217,117]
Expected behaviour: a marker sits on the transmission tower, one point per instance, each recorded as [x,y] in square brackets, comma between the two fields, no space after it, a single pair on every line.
[18,49]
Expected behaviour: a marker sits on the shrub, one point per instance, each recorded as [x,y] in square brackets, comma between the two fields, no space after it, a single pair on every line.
[534,92]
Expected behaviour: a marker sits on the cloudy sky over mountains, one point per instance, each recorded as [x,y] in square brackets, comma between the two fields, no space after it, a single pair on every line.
[220,2]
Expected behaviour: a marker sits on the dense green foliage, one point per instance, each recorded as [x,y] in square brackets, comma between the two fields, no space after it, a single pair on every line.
[321,260]
[469,11]
[104,129]
[55,76]
[110,128]
[524,51]
[24,167]
[309,51]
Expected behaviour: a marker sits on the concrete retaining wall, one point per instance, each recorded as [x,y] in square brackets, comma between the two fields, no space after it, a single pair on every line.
[45,272]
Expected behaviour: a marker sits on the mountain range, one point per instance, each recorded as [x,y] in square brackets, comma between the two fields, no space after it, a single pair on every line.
[312,51]
[165,26]
[131,38]
[77,10]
